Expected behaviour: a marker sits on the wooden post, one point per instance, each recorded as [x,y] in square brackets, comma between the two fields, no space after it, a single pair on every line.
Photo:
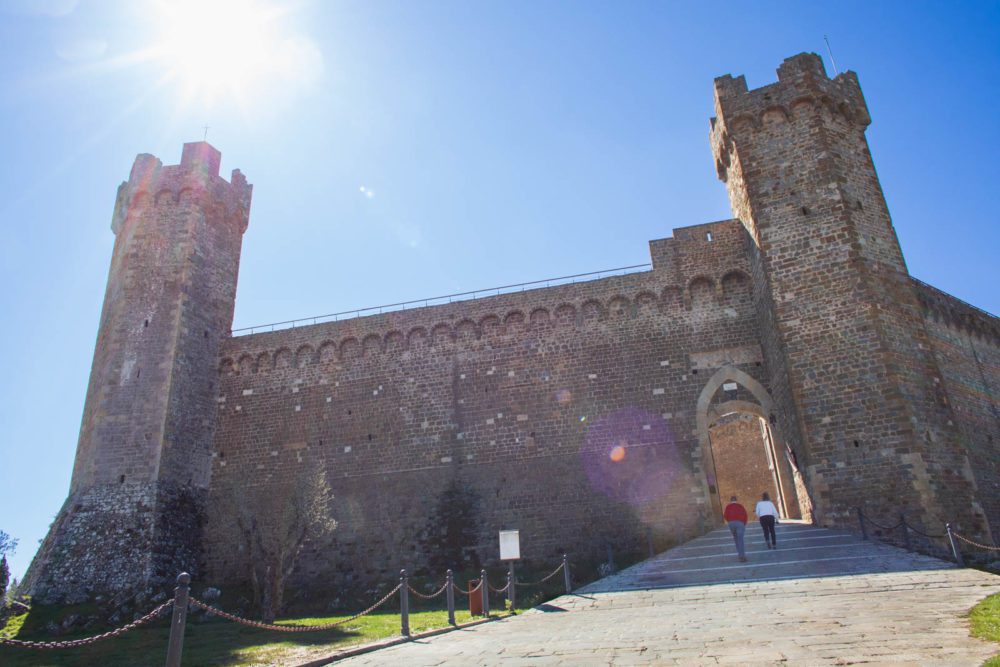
[404,604]
[178,620]
[861,520]
[566,573]
[450,596]
[954,546]
[486,593]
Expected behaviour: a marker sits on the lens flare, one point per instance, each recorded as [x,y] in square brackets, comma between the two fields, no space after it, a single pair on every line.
[631,456]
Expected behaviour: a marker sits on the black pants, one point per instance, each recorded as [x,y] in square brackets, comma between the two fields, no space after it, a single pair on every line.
[767,523]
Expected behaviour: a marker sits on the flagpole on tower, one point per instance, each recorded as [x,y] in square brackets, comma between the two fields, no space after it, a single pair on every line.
[830,51]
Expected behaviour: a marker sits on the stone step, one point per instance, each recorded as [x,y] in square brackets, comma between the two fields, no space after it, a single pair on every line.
[803,551]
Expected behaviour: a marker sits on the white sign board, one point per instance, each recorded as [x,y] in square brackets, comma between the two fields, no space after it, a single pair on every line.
[510,545]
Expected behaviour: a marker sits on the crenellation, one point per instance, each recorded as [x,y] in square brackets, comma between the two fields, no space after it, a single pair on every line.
[244,353]
[194,182]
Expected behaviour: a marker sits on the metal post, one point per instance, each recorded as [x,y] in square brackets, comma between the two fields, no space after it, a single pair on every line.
[404,604]
[906,533]
[954,546]
[566,573]
[861,520]
[450,596]
[485,591]
[179,619]
[510,585]
[649,541]
[611,560]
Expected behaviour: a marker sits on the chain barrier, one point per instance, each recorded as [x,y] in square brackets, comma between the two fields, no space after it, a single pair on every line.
[976,544]
[292,628]
[540,581]
[878,525]
[422,596]
[931,537]
[72,643]
[194,602]
[496,590]
[472,592]
[943,536]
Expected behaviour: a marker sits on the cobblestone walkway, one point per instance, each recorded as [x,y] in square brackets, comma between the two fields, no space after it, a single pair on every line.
[823,597]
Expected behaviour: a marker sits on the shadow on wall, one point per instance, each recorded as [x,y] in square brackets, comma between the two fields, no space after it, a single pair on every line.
[456,528]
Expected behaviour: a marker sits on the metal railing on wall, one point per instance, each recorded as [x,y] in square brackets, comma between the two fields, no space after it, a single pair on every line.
[966,304]
[444,299]
[478,589]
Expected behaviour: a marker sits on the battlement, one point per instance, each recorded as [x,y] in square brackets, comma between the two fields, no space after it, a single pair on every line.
[196,178]
[802,91]
[201,156]
[680,255]
[802,80]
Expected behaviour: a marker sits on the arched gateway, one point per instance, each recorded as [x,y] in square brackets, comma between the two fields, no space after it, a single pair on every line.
[742,450]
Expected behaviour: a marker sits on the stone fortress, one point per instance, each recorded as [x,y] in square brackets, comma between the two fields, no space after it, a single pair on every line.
[787,349]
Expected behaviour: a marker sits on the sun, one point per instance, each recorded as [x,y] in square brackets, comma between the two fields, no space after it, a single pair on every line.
[216,48]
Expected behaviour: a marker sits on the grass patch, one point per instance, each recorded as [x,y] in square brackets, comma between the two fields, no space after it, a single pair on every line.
[212,641]
[985,618]
[219,642]
[13,625]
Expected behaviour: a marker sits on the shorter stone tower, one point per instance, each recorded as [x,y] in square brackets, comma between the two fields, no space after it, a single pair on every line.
[142,465]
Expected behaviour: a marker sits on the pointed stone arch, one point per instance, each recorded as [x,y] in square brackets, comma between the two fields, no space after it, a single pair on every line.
[789,481]
[731,374]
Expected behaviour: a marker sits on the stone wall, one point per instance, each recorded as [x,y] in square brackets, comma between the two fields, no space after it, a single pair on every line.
[151,531]
[567,411]
[966,345]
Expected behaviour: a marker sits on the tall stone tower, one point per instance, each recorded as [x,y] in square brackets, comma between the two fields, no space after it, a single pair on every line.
[851,366]
[143,460]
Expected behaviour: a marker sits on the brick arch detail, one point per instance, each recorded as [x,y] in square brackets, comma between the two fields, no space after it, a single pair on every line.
[733,407]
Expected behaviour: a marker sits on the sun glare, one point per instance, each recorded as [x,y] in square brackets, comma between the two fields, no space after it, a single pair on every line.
[215,48]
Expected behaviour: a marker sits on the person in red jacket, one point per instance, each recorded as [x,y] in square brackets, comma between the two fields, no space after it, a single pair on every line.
[736,516]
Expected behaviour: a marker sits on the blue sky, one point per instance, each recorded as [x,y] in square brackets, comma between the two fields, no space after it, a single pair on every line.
[401,150]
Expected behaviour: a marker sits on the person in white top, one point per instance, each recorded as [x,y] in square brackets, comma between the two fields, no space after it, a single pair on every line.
[767,513]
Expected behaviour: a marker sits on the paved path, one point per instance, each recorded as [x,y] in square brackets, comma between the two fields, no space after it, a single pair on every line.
[823,597]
